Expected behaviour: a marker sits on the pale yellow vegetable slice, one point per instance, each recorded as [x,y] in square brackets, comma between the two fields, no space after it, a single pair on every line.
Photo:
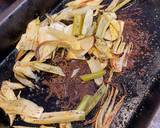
[64,14]
[58,26]
[108,35]
[33,127]
[13,85]
[44,52]
[86,44]
[116,45]
[121,47]
[20,54]
[112,5]
[23,127]
[109,44]
[22,107]
[7,91]
[112,15]
[103,25]
[56,117]
[119,62]
[73,55]
[104,64]
[116,25]
[47,68]
[77,25]
[101,114]
[24,80]
[65,125]
[114,33]
[25,69]
[68,125]
[120,5]
[68,29]
[87,23]
[28,57]
[62,125]
[95,66]
[83,10]
[103,49]
[82,3]
[29,40]
[92,30]
[68,39]
[44,35]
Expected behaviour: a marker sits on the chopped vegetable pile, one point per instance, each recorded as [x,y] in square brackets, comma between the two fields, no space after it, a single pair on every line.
[86,31]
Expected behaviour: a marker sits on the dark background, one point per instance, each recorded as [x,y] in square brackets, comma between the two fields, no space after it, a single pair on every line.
[3,5]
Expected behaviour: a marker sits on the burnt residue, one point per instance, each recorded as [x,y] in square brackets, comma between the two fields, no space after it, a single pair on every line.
[69,91]
[141,21]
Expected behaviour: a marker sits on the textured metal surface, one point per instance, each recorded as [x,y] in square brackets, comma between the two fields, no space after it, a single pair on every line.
[142,89]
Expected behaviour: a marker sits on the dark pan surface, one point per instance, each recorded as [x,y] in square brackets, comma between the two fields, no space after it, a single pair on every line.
[140,81]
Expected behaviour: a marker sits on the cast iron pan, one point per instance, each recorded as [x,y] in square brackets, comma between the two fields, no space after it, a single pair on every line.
[13,21]
[141,80]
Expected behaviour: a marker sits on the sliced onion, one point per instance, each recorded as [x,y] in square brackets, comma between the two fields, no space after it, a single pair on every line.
[86,44]
[7,91]
[28,40]
[112,5]
[22,107]
[68,29]
[28,57]
[108,35]
[44,52]
[32,127]
[103,49]
[24,69]
[70,40]
[114,33]
[58,26]
[83,10]
[56,117]
[100,117]
[65,14]
[47,68]
[65,125]
[102,26]
[20,54]
[13,85]
[44,35]
[21,78]
[82,3]
[87,23]
[111,107]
